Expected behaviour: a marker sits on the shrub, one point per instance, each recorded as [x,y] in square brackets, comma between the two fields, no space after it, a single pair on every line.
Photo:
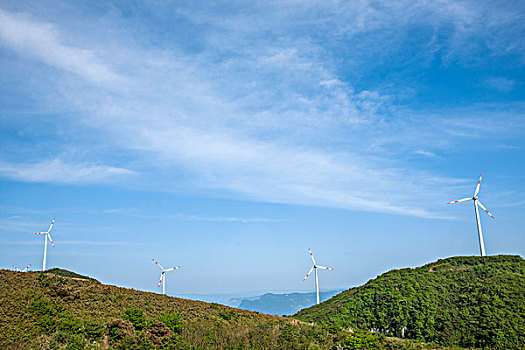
[120,329]
[66,322]
[173,320]
[92,330]
[136,317]
[227,314]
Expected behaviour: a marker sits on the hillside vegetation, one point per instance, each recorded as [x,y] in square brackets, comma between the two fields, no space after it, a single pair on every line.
[47,311]
[476,302]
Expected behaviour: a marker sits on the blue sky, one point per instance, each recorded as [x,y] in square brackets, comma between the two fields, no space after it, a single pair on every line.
[229,137]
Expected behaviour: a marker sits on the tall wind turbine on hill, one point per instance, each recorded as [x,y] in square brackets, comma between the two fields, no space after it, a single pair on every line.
[476,204]
[48,235]
[163,275]
[315,267]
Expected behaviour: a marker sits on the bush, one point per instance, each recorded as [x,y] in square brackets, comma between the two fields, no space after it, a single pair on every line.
[70,341]
[93,330]
[173,320]
[67,323]
[136,317]
[120,329]
[134,343]
[228,314]
[176,342]
[45,315]
[75,342]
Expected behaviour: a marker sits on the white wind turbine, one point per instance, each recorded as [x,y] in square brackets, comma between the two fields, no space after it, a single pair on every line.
[476,203]
[316,278]
[48,235]
[24,270]
[163,275]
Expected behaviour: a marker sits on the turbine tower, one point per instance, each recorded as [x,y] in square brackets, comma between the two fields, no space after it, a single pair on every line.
[24,270]
[48,235]
[163,275]
[476,204]
[315,267]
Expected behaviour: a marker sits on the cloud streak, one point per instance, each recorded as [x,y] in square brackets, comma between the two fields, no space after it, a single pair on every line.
[42,41]
[58,171]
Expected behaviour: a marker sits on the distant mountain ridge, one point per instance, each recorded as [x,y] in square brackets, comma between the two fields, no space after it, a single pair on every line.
[284,304]
[475,302]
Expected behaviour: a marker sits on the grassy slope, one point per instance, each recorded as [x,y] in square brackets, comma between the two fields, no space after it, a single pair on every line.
[464,301]
[74,302]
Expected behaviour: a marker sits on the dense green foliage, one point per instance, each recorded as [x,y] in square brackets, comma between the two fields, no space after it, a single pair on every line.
[47,311]
[67,273]
[474,302]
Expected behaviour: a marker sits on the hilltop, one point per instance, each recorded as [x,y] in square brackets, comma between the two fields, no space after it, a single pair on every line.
[50,311]
[70,274]
[474,302]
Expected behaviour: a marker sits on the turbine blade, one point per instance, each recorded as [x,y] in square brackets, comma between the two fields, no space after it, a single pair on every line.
[460,200]
[40,233]
[477,187]
[160,280]
[308,274]
[49,235]
[51,226]
[16,268]
[312,256]
[28,266]
[483,207]
[173,268]
[158,264]
[326,268]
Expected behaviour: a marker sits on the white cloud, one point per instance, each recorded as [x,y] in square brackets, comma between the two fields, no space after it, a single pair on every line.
[58,171]
[425,153]
[501,83]
[42,41]
[188,217]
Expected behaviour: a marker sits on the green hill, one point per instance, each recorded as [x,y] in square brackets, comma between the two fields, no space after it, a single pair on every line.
[474,302]
[67,273]
[48,311]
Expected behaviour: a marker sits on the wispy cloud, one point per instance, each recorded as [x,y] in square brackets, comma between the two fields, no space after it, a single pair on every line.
[42,41]
[79,243]
[501,83]
[425,153]
[187,217]
[58,171]
[221,218]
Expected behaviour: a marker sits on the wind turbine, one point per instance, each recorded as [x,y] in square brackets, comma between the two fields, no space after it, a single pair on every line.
[316,279]
[476,203]
[163,276]
[24,270]
[48,235]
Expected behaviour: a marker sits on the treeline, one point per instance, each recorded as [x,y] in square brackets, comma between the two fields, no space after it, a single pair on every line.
[474,302]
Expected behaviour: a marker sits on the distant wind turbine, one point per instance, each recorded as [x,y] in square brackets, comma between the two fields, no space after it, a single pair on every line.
[48,235]
[476,203]
[316,279]
[24,270]
[163,275]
